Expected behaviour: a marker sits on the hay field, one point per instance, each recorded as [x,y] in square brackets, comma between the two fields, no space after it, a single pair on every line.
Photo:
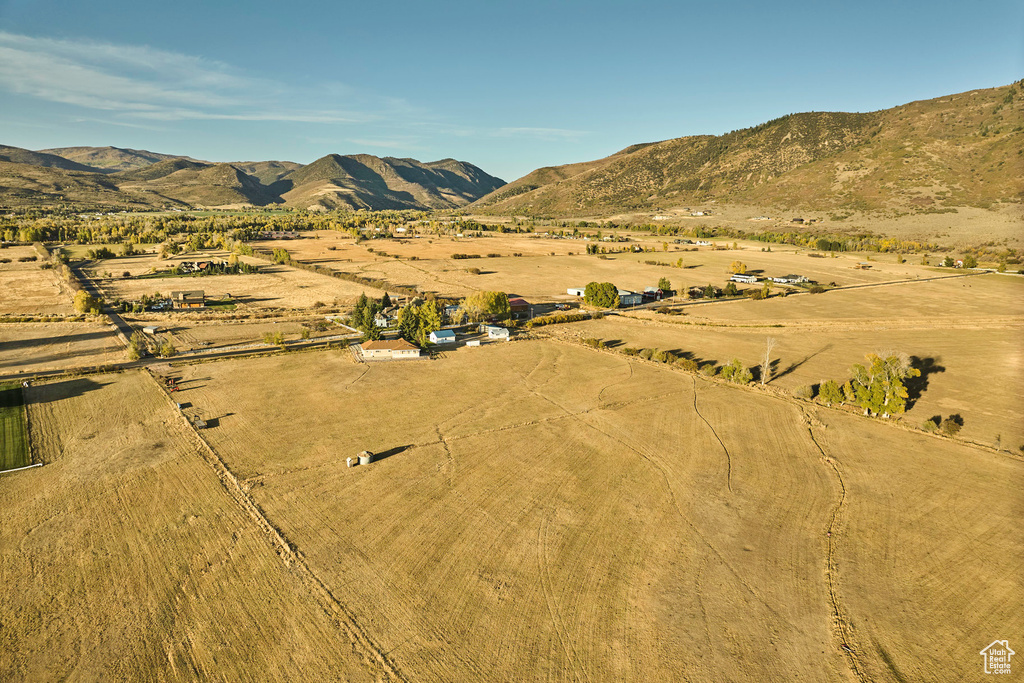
[956,382]
[549,512]
[28,289]
[127,559]
[276,286]
[949,301]
[547,277]
[31,347]
[187,335]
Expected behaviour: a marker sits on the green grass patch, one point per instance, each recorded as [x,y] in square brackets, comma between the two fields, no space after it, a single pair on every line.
[222,305]
[13,428]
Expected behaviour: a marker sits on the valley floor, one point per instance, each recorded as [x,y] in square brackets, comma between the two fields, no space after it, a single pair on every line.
[540,511]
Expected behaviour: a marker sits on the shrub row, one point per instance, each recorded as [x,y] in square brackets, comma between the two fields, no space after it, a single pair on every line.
[557,318]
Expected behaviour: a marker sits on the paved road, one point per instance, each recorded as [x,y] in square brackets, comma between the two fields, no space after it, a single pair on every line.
[89,286]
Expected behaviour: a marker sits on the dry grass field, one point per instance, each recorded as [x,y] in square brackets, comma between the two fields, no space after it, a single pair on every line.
[968,330]
[31,347]
[581,516]
[276,286]
[539,275]
[25,288]
[127,559]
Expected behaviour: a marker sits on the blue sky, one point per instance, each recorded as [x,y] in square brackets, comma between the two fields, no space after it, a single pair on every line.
[507,86]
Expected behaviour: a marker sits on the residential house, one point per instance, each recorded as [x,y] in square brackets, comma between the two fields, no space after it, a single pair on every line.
[790,279]
[745,279]
[191,299]
[498,333]
[394,349]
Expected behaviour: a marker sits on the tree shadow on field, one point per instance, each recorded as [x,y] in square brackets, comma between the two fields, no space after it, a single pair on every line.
[612,343]
[797,364]
[58,391]
[916,385]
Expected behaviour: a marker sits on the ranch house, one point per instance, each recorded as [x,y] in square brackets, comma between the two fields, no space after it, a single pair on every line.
[388,348]
[745,279]
[192,299]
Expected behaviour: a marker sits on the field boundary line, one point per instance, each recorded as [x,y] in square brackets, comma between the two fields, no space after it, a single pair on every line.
[780,395]
[728,457]
[831,570]
[292,559]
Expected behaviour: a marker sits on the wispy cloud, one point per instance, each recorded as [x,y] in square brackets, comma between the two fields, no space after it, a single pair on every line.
[145,83]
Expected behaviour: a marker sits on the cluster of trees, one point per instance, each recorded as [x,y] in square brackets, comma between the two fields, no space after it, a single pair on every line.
[417,320]
[601,294]
[486,305]
[87,303]
[969,261]
[233,267]
[877,386]
[137,347]
[364,316]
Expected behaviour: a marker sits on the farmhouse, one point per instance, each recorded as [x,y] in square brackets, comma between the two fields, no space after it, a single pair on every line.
[388,348]
[386,317]
[746,279]
[191,299]
[442,337]
[789,279]
[520,308]
[628,298]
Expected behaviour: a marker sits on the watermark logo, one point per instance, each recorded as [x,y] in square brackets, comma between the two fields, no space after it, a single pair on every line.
[997,657]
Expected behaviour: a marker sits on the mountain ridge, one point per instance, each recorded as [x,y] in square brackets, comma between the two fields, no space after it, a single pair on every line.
[927,155]
[358,181]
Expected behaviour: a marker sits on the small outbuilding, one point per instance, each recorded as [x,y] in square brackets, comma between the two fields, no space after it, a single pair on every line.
[519,308]
[473,342]
[442,337]
[628,298]
[576,291]
[150,329]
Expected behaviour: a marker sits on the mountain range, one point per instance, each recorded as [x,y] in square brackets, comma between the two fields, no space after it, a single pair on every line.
[958,150]
[925,157]
[138,179]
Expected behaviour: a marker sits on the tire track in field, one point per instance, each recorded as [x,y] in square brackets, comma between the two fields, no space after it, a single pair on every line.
[675,503]
[371,653]
[839,619]
[728,457]
[544,569]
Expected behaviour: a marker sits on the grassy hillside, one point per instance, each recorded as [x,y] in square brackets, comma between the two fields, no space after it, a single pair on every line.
[17,155]
[960,150]
[363,181]
[359,181]
[111,159]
